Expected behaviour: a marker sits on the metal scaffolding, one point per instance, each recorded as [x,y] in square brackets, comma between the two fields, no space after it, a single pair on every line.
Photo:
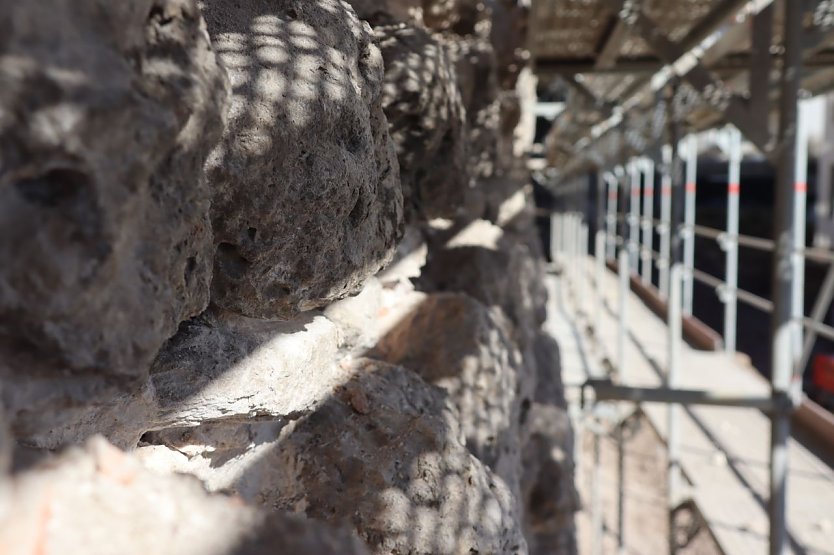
[626,232]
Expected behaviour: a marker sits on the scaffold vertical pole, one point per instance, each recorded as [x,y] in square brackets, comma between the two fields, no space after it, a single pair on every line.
[585,260]
[783,336]
[634,217]
[611,216]
[599,272]
[689,222]
[621,536]
[648,224]
[731,240]
[569,243]
[554,237]
[798,255]
[673,345]
[665,221]
[581,260]
[623,276]
[596,498]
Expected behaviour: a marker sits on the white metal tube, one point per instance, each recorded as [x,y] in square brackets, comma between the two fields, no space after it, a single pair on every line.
[599,246]
[581,274]
[798,286]
[665,229]
[689,221]
[554,237]
[785,272]
[569,250]
[634,217]
[673,346]
[673,410]
[623,274]
[585,260]
[647,221]
[621,536]
[731,244]
[611,216]
[596,500]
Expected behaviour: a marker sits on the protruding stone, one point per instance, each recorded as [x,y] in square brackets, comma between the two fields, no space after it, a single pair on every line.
[463,17]
[356,317]
[223,366]
[508,35]
[475,65]
[384,451]
[307,198]
[427,118]
[549,496]
[455,342]
[98,501]
[386,12]
[498,269]
[108,116]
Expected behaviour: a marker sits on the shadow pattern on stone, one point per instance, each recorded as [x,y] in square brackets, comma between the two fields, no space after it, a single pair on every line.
[307,200]
[104,225]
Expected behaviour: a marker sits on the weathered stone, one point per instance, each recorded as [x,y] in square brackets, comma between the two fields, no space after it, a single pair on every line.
[384,451]
[386,12]
[97,500]
[105,239]
[549,496]
[475,65]
[455,342]
[408,260]
[509,202]
[525,132]
[508,34]
[307,197]
[497,269]
[427,120]
[510,115]
[223,366]
[356,317]
[462,17]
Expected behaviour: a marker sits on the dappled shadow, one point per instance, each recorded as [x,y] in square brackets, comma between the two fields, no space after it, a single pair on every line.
[307,200]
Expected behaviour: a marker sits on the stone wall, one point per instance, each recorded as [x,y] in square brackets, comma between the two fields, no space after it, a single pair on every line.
[269,281]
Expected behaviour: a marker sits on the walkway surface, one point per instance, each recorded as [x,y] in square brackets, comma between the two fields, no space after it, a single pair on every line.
[724,451]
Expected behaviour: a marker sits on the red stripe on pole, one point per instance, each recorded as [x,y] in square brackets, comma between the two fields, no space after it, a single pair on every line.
[800,187]
[690,187]
[649,192]
[733,188]
[666,191]
[635,192]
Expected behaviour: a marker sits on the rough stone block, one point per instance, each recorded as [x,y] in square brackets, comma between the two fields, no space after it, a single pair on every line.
[99,501]
[475,65]
[384,451]
[463,17]
[108,116]
[455,342]
[497,268]
[549,496]
[386,12]
[356,317]
[229,367]
[307,200]
[427,120]
[508,34]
